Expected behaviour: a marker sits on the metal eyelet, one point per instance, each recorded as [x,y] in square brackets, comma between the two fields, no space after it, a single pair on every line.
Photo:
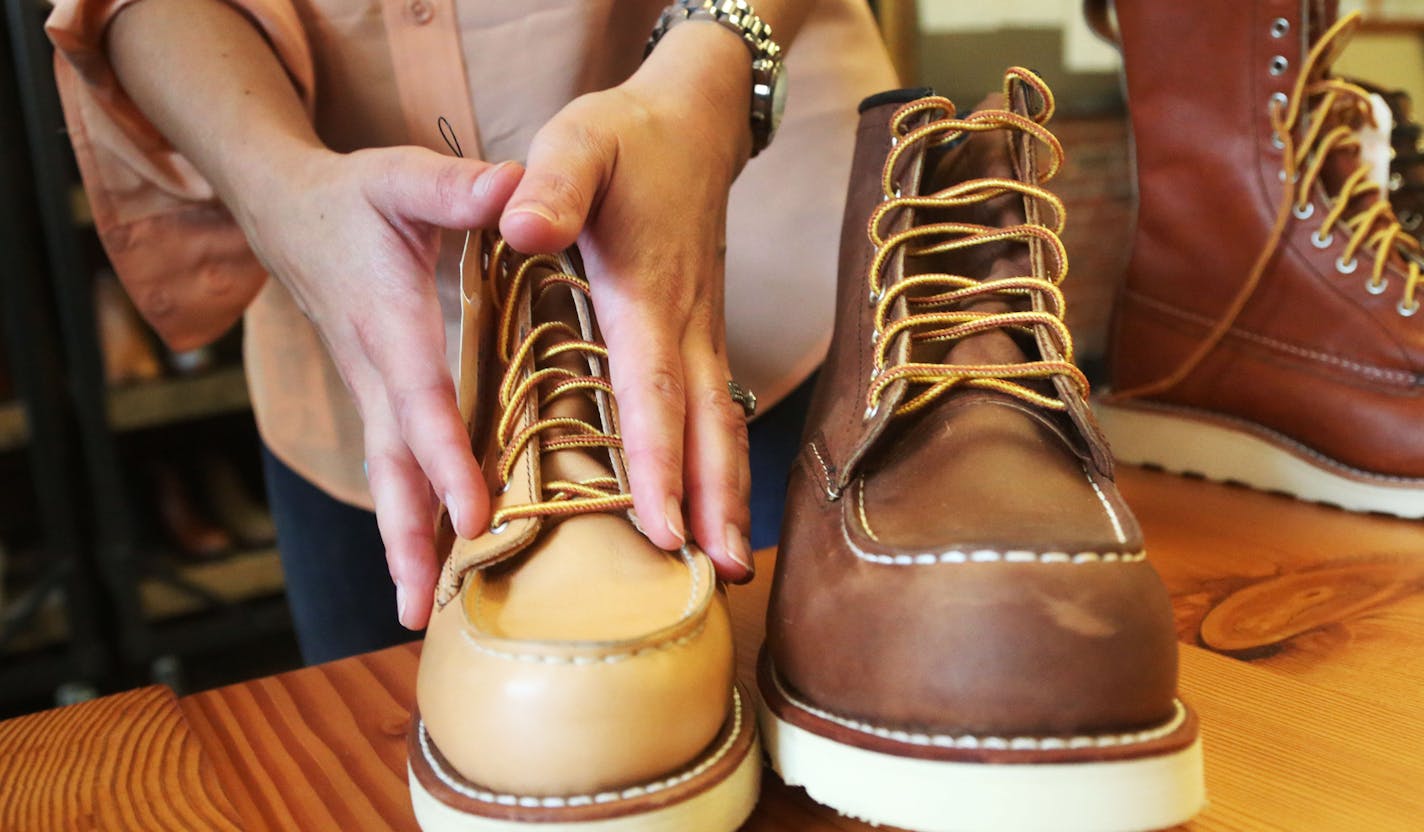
[499,529]
[1281,175]
[1278,99]
[1407,311]
[503,490]
[1280,27]
[1376,288]
[1278,143]
[1279,65]
[874,337]
[870,413]
[1410,220]
[1395,181]
[1304,213]
[1321,242]
[1346,268]
[874,297]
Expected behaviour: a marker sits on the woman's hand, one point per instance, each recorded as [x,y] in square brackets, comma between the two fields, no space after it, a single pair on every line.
[354,238]
[639,174]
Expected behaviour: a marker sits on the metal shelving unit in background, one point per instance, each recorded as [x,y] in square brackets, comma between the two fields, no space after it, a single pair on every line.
[45,647]
[163,611]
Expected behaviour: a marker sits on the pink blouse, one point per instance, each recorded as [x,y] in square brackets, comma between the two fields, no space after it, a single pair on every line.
[380,72]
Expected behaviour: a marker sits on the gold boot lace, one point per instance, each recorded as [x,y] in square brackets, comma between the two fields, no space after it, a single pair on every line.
[933,303]
[1312,123]
[531,376]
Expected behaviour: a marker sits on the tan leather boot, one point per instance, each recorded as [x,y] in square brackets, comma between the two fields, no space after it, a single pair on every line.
[1269,330]
[964,633]
[574,675]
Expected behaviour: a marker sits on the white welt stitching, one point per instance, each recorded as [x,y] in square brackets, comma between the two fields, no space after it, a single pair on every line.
[603,658]
[986,555]
[997,743]
[576,801]
[1102,498]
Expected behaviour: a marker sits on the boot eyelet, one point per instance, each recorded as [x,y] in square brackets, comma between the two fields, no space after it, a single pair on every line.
[1410,220]
[1407,311]
[1321,242]
[1279,65]
[875,339]
[871,412]
[1278,143]
[1395,181]
[499,529]
[874,297]
[503,490]
[1376,288]
[1278,100]
[1304,213]
[1346,268]
[1280,27]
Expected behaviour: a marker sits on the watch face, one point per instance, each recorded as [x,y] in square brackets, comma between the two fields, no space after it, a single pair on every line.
[778,95]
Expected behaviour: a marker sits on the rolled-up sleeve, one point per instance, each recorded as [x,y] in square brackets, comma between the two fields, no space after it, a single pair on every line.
[178,251]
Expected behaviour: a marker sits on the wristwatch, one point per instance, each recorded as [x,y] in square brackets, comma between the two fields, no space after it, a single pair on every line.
[768,70]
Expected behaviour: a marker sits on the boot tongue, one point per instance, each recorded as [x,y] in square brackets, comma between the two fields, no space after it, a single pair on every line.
[574,464]
[978,156]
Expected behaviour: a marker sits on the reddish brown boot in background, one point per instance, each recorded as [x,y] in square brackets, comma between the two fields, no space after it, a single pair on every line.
[1269,330]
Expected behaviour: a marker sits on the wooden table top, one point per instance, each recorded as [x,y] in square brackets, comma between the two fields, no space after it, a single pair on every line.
[1303,651]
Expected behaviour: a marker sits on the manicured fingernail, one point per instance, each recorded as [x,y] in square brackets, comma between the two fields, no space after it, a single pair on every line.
[674,520]
[484,183]
[454,512]
[400,604]
[738,548]
[533,208]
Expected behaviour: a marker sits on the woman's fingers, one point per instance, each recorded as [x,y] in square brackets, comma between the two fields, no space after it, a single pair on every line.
[404,511]
[646,368]
[412,184]
[718,473]
[570,164]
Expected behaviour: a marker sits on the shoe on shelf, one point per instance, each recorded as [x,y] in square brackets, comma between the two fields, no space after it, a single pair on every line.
[233,503]
[124,340]
[574,675]
[964,633]
[184,522]
[1269,331]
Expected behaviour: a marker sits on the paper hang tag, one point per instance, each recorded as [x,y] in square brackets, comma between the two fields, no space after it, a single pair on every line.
[1375,141]
[471,325]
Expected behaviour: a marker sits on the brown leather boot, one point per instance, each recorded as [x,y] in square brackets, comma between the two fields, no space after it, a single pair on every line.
[1268,332]
[964,633]
[574,675]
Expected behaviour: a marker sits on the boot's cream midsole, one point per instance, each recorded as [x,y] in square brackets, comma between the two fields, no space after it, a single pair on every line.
[719,807]
[1183,442]
[923,795]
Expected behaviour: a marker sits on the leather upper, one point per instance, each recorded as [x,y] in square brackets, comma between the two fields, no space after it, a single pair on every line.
[1313,357]
[968,567]
[568,654]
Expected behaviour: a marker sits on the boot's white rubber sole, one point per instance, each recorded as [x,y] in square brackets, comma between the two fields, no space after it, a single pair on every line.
[1191,442]
[713,794]
[935,795]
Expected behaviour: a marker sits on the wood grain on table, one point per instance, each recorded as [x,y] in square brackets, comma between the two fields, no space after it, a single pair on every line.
[1303,631]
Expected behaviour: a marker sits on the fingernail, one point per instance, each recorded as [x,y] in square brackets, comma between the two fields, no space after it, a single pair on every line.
[533,208]
[485,181]
[738,548]
[400,604]
[453,511]
[674,520]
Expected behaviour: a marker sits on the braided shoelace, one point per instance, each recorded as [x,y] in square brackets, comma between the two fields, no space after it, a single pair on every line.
[530,375]
[1373,231]
[935,300]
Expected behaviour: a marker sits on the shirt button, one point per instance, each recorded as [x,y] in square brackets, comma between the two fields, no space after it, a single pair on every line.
[420,11]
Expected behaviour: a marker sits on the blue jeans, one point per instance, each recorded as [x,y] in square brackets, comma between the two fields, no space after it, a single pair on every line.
[340,593]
